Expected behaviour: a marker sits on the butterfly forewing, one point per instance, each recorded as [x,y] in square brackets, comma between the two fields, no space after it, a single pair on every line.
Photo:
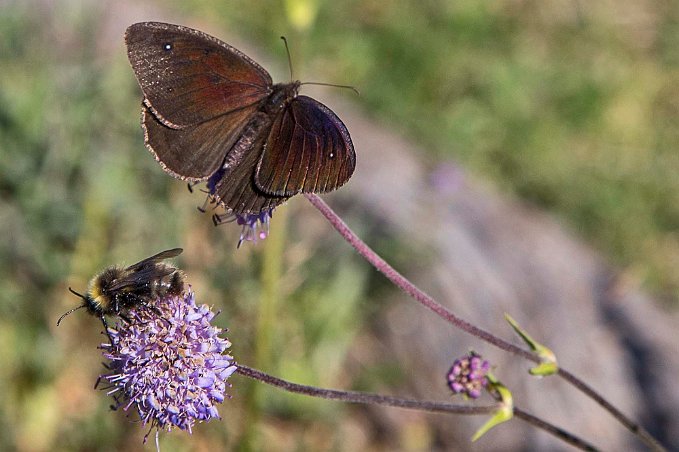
[307,150]
[194,152]
[188,77]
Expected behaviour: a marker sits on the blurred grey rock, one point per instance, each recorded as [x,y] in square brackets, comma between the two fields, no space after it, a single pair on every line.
[488,254]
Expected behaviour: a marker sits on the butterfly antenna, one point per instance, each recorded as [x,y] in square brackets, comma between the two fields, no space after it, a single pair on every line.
[333,85]
[287,50]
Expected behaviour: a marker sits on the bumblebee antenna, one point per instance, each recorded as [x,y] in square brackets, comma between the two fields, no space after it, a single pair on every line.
[76,293]
[74,309]
[69,312]
[103,320]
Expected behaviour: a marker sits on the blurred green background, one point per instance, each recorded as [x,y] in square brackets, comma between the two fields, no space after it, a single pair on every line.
[570,105]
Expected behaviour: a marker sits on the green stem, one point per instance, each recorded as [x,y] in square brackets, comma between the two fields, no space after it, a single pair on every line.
[266,324]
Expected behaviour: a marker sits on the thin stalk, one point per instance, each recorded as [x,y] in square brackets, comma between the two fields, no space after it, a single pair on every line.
[266,324]
[408,287]
[427,301]
[412,404]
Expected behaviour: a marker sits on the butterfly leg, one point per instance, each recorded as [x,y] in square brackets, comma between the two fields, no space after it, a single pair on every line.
[219,219]
[209,199]
[190,185]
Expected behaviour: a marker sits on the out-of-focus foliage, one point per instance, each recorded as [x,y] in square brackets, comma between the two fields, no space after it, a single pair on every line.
[79,192]
[571,105]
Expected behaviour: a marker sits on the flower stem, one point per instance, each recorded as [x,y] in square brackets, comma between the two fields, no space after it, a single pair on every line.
[652,443]
[362,397]
[413,404]
[427,301]
[266,321]
[408,287]
[556,431]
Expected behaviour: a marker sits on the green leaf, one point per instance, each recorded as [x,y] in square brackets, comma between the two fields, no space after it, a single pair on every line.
[506,407]
[548,365]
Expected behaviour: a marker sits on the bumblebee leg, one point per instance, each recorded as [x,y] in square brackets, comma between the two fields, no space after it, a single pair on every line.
[103,320]
[117,404]
[96,383]
[154,309]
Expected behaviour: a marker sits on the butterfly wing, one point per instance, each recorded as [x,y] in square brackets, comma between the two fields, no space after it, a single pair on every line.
[194,152]
[307,150]
[235,188]
[189,77]
[201,98]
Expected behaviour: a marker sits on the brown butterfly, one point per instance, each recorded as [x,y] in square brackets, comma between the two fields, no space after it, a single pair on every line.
[210,113]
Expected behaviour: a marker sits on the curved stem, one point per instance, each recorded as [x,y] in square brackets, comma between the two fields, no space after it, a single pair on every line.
[632,426]
[413,404]
[408,287]
[362,397]
[427,301]
[556,431]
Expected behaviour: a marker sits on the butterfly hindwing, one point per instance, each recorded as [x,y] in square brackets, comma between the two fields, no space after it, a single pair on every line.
[308,150]
[236,188]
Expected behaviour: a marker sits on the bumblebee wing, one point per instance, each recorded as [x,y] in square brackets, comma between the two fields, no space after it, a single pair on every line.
[140,279]
[167,254]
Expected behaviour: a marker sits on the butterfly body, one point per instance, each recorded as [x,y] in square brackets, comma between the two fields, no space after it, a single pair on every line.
[213,114]
[281,95]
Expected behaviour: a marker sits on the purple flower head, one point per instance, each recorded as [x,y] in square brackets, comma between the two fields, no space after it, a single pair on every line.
[168,363]
[468,375]
[255,225]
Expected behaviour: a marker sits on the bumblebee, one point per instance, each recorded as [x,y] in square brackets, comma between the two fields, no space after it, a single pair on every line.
[117,290]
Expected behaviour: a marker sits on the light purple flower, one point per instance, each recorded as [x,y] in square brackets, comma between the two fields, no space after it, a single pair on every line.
[468,375]
[255,225]
[168,363]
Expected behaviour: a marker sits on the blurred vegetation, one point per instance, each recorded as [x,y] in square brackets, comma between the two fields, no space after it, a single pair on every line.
[570,105]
